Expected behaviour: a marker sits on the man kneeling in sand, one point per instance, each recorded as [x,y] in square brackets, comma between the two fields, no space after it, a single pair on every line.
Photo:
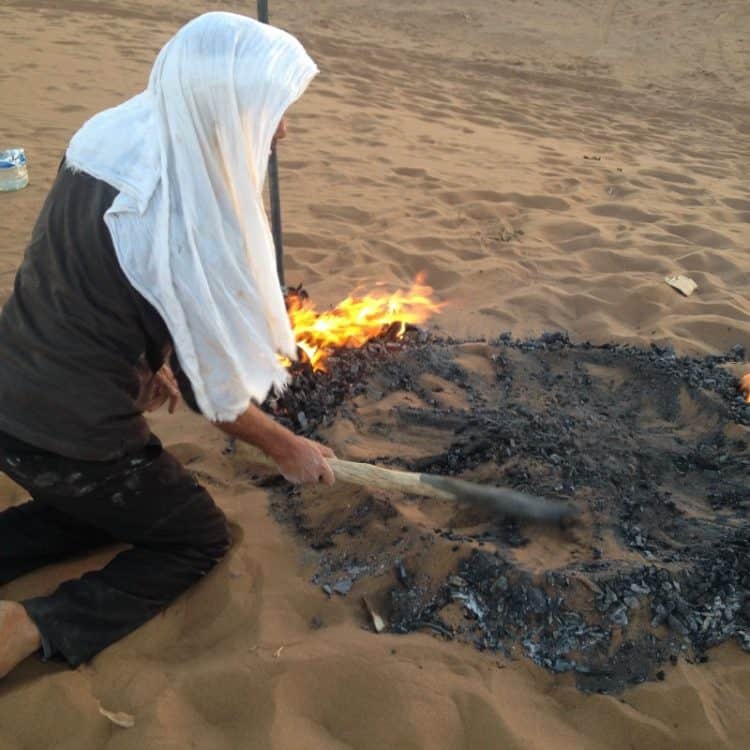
[152,244]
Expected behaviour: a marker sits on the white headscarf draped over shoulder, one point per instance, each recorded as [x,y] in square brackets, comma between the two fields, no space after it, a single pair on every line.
[189,156]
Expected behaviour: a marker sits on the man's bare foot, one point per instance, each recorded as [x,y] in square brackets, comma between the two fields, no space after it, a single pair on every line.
[19,636]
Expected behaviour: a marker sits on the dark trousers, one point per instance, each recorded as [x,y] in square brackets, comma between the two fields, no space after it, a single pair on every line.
[147,500]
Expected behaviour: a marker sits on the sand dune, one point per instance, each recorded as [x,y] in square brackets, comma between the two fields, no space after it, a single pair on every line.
[546,163]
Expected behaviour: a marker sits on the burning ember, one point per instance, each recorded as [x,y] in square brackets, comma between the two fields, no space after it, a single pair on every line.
[356,319]
[745,387]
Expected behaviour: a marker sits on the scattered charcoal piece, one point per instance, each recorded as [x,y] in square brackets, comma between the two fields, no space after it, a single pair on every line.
[401,574]
[343,587]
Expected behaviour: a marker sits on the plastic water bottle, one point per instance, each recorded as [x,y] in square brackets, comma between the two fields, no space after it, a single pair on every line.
[13,172]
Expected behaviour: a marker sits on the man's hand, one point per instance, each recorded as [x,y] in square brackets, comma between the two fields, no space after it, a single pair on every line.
[304,460]
[299,459]
[163,388]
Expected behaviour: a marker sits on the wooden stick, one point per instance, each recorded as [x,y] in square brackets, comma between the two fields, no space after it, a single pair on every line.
[499,500]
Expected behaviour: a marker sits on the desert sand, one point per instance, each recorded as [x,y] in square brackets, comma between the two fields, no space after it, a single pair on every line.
[546,164]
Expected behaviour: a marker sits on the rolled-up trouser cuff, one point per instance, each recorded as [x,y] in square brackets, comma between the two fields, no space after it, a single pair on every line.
[48,650]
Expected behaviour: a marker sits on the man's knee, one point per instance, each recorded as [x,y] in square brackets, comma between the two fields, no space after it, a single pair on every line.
[222,543]
[217,537]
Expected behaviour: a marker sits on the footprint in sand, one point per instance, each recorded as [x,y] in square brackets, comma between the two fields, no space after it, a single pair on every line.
[699,235]
[341,213]
[624,212]
[666,176]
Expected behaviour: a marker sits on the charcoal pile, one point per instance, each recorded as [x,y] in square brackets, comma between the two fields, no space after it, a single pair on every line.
[650,447]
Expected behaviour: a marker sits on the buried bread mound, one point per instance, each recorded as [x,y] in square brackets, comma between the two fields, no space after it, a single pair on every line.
[652,450]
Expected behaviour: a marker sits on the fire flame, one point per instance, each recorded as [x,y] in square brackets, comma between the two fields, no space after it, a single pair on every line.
[745,387]
[356,319]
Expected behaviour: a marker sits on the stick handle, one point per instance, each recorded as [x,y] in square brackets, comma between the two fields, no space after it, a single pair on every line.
[369,475]
[365,475]
[497,499]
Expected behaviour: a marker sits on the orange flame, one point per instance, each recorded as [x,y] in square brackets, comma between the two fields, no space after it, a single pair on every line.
[745,387]
[356,320]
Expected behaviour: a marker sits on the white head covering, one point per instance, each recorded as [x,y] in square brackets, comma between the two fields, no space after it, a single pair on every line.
[189,156]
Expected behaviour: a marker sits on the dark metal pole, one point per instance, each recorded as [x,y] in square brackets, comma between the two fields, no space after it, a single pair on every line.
[273,183]
[273,186]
